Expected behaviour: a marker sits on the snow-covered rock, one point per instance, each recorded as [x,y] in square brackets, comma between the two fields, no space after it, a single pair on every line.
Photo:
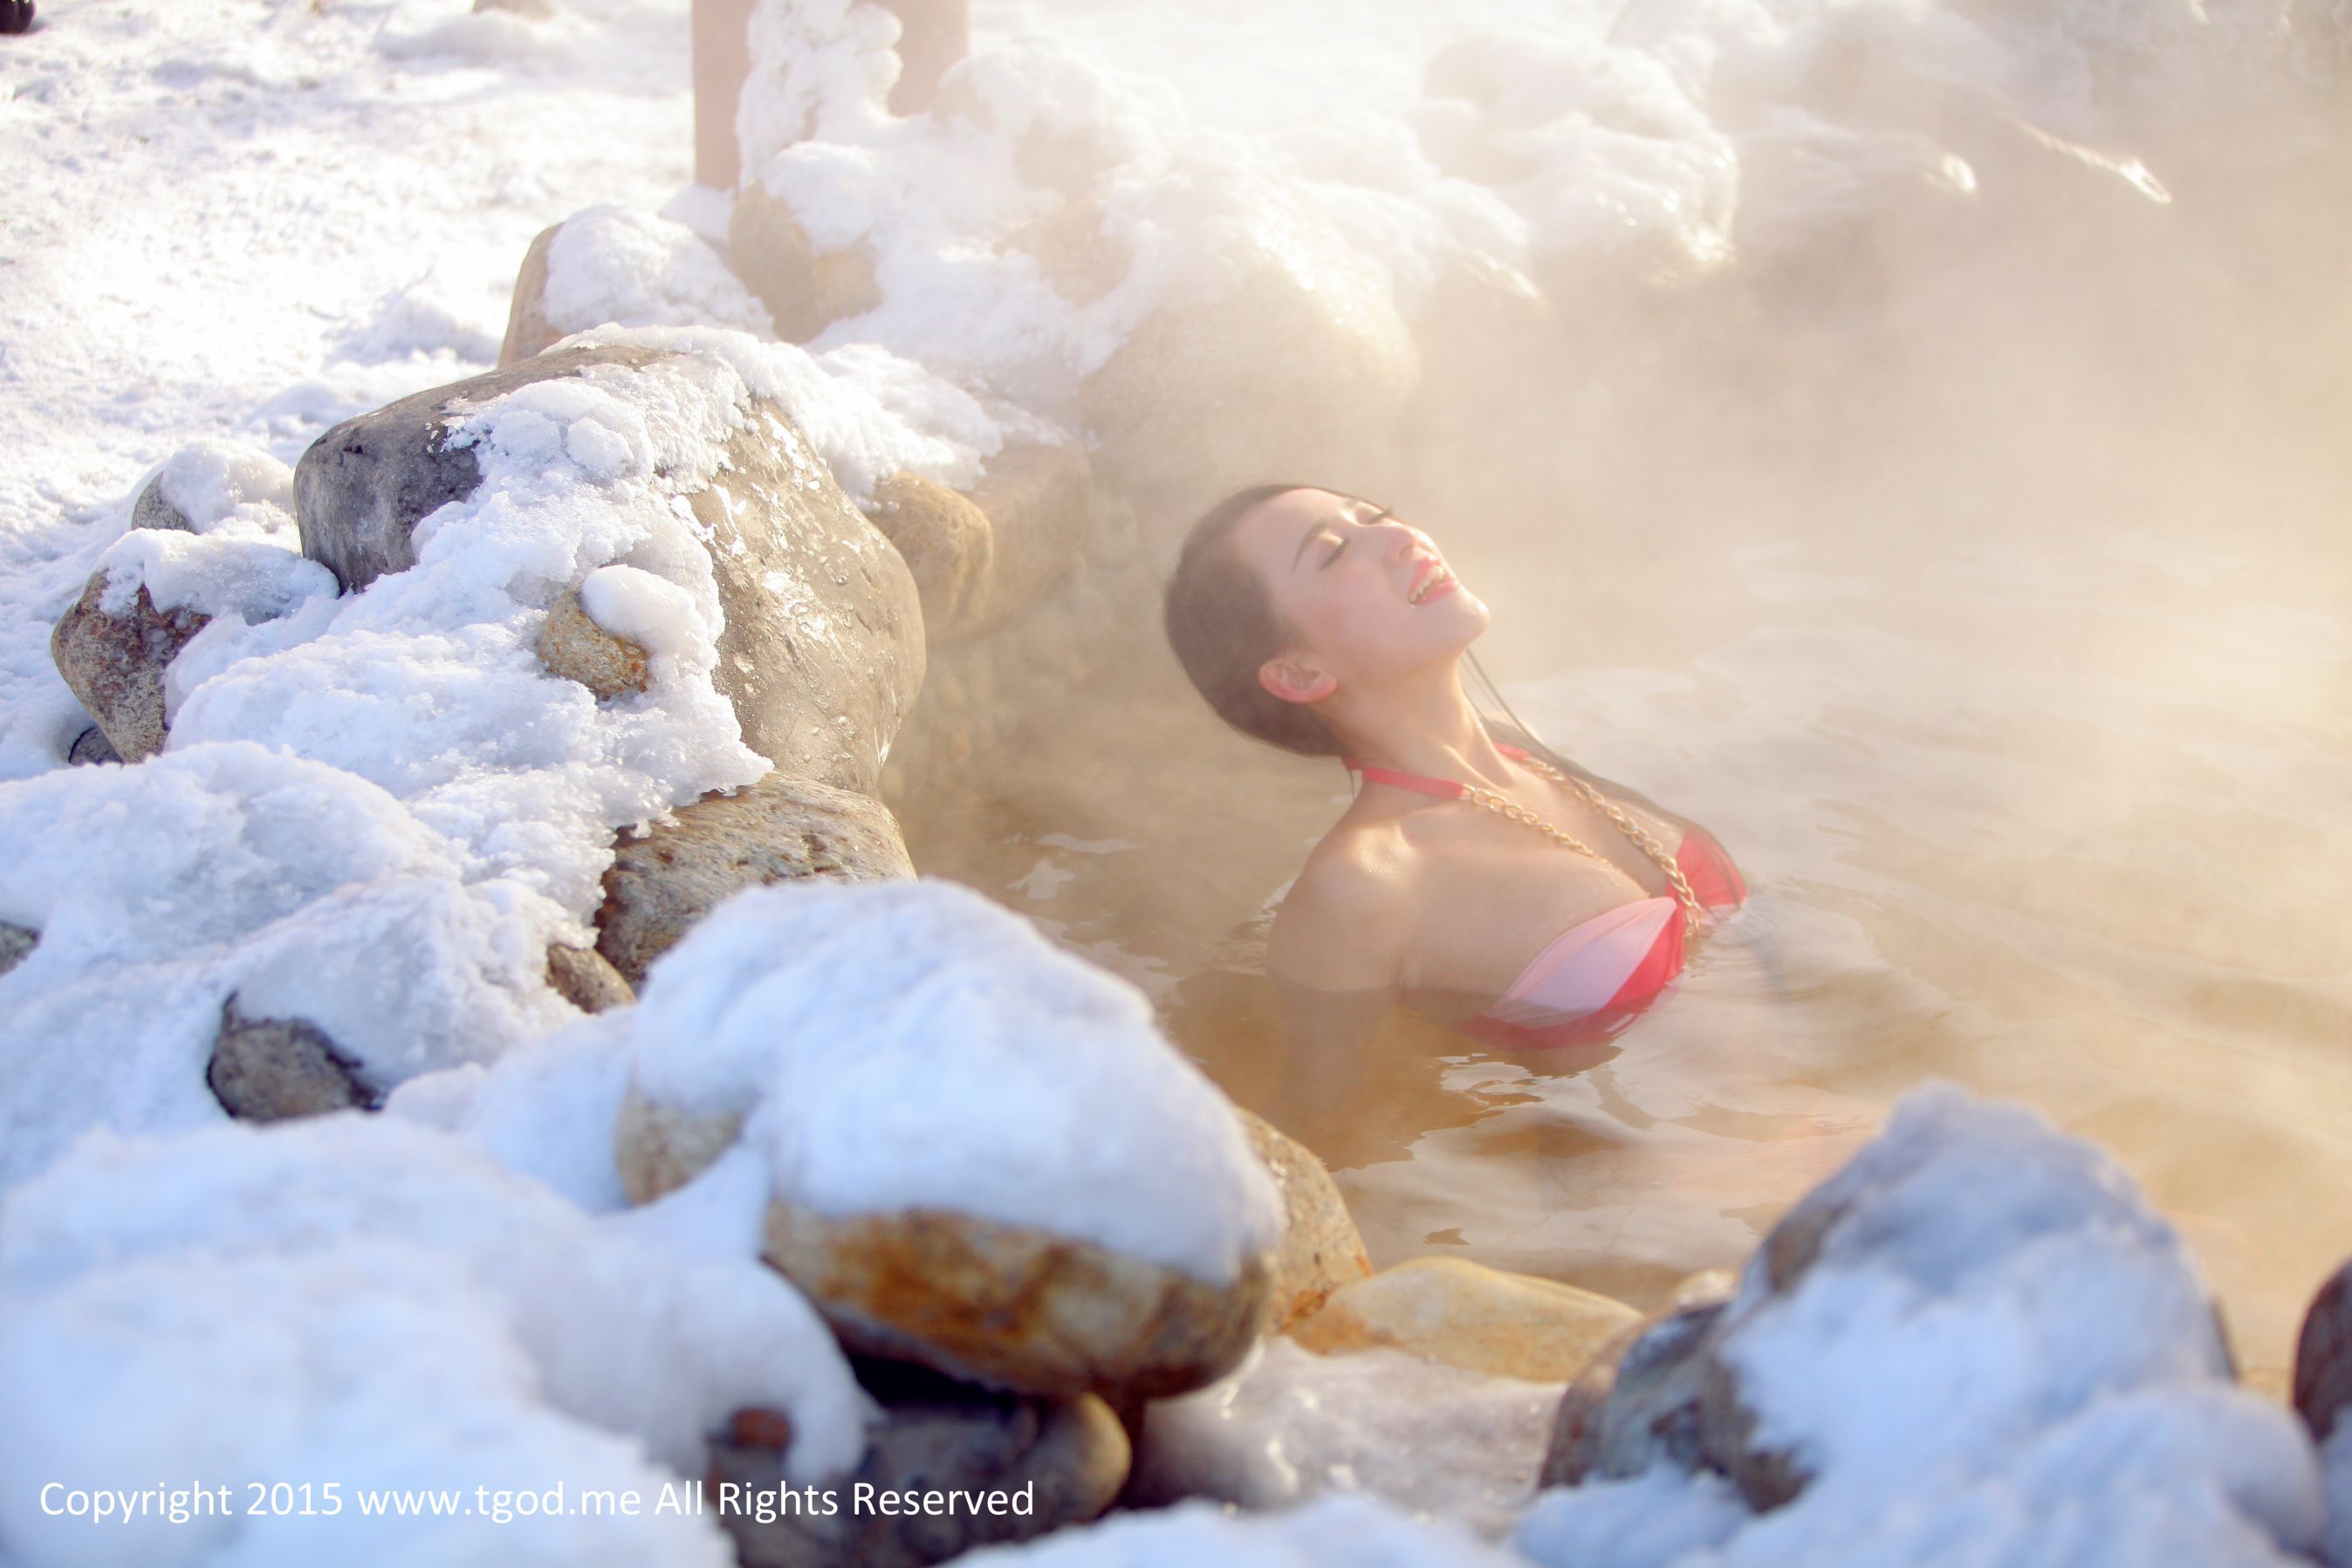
[1977,1342]
[366,1300]
[984,1155]
[1342,1532]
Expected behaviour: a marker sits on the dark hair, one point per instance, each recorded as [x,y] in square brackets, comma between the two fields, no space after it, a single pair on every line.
[1222,624]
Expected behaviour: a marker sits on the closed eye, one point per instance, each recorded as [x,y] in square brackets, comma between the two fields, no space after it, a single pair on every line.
[1335,553]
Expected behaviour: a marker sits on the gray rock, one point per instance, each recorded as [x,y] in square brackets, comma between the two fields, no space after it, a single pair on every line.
[91,747]
[1063,1461]
[582,976]
[2323,1356]
[115,664]
[572,645]
[16,944]
[822,652]
[772,830]
[274,1069]
[528,327]
[153,509]
[1640,1401]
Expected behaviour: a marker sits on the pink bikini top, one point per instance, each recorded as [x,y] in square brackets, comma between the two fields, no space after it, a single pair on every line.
[1591,980]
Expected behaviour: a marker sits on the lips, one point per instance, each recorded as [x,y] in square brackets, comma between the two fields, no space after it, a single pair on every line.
[1429,582]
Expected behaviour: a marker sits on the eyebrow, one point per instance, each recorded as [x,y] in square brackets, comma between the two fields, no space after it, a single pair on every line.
[1324,522]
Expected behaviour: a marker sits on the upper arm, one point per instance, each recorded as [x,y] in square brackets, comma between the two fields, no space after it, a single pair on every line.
[1341,927]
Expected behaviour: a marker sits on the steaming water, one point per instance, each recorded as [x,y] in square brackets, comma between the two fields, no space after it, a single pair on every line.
[1987,599]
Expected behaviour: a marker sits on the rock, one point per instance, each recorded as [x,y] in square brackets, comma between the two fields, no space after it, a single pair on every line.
[571,644]
[16,16]
[1302,365]
[1059,1462]
[16,944]
[657,1148]
[1078,259]
[153,509]
[534,10]
[2323,1356]
[528,327]
[92,747]
[803,292]
[582,976]
[1637,1400]
[274,1069]
[1014,1308]
[778,828]
[984,561]
[1470,1316]
[822,652]
[1321,1249]
[115,664]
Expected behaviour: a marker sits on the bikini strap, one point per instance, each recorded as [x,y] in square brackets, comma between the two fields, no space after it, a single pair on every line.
[1443,789]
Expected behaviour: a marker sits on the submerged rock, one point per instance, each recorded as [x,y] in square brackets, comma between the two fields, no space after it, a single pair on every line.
[821,650]
[779,828]
[1470,1316]
[115,663]
[274,1069]
[1023,1467]
[1013,1307]
[1322,1250]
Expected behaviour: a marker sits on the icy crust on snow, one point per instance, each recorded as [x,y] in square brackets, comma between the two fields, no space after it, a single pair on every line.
[1346,1531]
[2000,1355]
[912,1045]
[173,1307]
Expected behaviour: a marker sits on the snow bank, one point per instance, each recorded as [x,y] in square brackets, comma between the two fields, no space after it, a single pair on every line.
[175,1305]
[1346,1531]
[2001,1353]
[912,1044]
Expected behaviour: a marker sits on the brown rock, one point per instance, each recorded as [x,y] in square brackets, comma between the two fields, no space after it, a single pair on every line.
[528,327]
[1078,259]
[571,644]
[1321,1249]
[582,976]
[949,547]
[1470,1316]
[774,830]
[1068,1458]
[986,560]
[803,292]
[274,1069]
[659,1148]
[1014,1307]
[115,664]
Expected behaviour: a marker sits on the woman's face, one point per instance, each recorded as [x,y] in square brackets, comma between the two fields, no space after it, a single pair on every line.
[1366,594]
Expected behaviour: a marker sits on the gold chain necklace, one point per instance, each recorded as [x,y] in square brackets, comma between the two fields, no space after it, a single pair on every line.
[1633,830]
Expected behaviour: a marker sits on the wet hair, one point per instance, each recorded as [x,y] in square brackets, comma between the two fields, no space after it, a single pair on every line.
[1222,624]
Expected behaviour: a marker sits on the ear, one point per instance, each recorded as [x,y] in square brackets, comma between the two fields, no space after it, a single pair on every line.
[1295,680]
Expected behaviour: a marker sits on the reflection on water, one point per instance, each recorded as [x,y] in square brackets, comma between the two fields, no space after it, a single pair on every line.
[2064,825]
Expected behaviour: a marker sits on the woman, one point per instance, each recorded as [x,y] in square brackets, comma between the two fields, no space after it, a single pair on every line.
[1523,900]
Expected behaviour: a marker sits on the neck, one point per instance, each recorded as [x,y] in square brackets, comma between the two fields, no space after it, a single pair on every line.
[1427,727]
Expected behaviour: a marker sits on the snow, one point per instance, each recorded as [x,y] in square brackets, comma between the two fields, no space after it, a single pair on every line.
[608,264]
[1288,1425]
[1342,1532]
[364,1299]
[911,1044]
[2000,1355]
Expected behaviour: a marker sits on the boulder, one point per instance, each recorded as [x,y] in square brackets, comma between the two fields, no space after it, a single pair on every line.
[984,560]
[1321,1249]
[661,883]
[274,1069]
[2323,1357]
[804,292]
[657,1147]
[586,978]
[1470,1316]
[1637,1401]
[572,646]
[1052,1462]
[115,664]
[949,547]
[153,509]
[528,327]
[1014,1307]
[91,747]
[16,944]
[822,651]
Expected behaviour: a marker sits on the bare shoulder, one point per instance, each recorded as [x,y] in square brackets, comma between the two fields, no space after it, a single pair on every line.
[1343,925]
